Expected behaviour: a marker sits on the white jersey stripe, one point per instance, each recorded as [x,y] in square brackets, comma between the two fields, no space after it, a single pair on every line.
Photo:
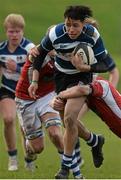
[109,99]
[66,71]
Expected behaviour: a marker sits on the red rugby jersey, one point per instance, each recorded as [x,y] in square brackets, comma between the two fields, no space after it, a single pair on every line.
[105,100]
[45,84]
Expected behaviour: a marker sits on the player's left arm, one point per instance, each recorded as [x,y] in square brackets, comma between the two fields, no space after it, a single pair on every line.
[99,67]
[113,71]
[77,61]
[114,76]
[104,61]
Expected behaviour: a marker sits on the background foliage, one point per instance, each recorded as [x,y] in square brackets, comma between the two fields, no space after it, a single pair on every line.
[39,15]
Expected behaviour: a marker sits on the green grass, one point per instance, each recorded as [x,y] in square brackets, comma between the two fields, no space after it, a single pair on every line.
[39,15]
[48,162]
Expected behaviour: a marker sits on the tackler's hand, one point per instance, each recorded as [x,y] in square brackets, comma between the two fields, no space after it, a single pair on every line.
[34,51]
[57,103]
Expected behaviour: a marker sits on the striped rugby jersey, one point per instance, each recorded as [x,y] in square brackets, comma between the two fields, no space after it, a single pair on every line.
[9,79]
[58,39]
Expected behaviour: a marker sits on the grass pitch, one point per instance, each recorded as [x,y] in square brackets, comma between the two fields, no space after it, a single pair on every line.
[48,161]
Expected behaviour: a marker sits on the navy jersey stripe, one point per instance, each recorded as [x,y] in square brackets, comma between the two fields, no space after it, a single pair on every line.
[11,84]
[64,64]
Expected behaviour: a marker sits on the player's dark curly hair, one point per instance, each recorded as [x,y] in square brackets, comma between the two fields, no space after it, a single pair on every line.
[78,12]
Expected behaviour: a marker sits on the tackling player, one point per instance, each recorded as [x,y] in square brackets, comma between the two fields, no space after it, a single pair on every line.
[35,112]
[102,98]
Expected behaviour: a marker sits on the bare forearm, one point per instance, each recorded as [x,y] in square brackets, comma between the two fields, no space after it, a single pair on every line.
[114,77]
[35,76]
[76,91]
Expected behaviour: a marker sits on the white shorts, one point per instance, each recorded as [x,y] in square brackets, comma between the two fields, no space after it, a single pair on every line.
[29,114]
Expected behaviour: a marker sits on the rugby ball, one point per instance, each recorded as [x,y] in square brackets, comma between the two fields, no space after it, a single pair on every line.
[86,52]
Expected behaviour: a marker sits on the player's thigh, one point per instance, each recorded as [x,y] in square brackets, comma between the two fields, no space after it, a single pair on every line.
[52,124]
[72,109]
[8,108]
[29,118]
[83,111]
[74,105]
[37,142]
[49,115]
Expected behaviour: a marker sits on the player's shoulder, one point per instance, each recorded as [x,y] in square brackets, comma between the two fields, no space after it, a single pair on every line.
[58,29]
[25,42]
[3,44]
[91,31]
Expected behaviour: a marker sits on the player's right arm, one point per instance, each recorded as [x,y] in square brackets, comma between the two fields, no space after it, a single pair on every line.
[37,58]
[37,62]
[58,102]
[75,92]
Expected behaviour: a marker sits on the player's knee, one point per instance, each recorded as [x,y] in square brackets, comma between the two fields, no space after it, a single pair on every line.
[36,139]
[54,133]
[38,148]
[56,136]
[9,120]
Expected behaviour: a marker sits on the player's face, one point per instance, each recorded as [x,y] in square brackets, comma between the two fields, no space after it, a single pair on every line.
[73,27]
[14,35]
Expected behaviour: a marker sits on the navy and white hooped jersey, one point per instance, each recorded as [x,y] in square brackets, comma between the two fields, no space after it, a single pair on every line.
[58,39]
[9,79]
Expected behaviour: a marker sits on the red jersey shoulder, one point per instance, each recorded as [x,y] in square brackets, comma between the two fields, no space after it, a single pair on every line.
[45,84]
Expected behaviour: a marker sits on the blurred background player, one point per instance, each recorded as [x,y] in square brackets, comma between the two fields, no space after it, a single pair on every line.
[13,53]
